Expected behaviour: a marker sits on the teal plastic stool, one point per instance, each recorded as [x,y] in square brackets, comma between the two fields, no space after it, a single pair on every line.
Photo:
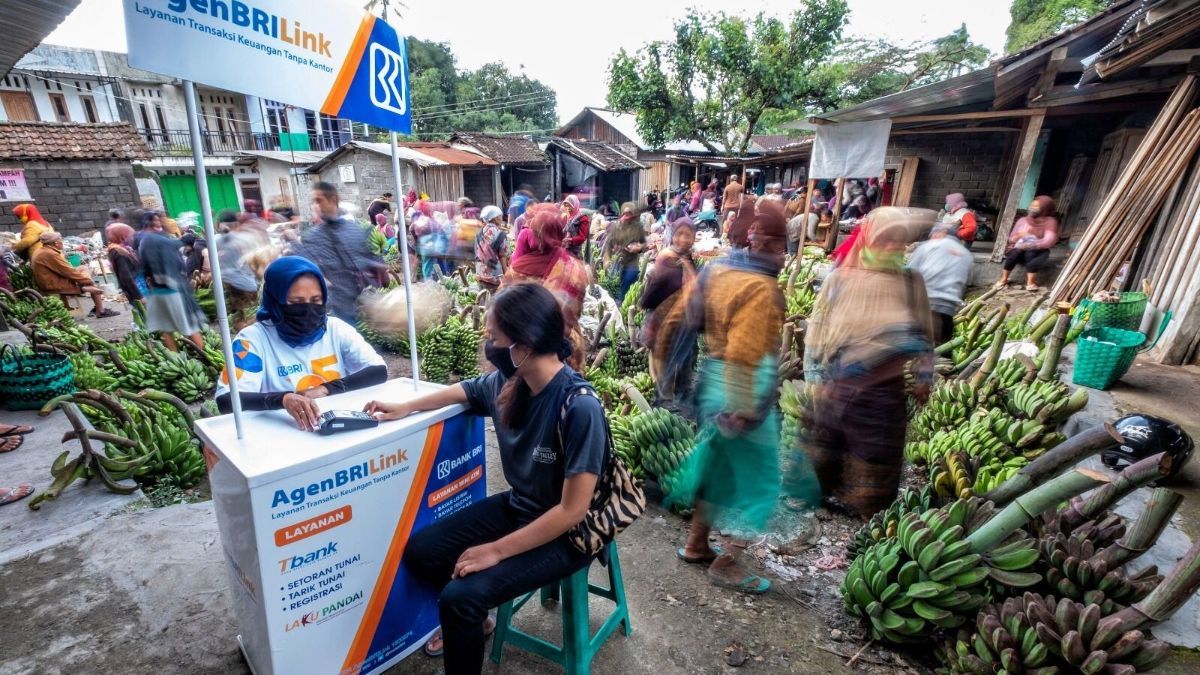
[579,645]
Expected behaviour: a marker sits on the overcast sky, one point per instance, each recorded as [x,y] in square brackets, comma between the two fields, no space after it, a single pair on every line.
[569,49]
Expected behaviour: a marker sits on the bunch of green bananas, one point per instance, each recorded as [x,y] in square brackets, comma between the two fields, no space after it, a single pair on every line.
[207,302]
[186,378]
[1004,641]
[801,300]
[30,307]
[883,525]
[623,442]
[606,386]
[993,433]
[664,440]
[960,475]
[1048,402]
[465,340]
[1079,638]
[642,382]
[949,405]
[89,375]
[633,296]
[1072,570]
[625,359]
[162,436]
[142,374]
[1009,373]
[926,577]
[993,474]
[21,277]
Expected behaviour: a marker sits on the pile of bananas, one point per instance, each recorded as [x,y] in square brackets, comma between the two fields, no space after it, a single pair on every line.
[1048,402]
[21,277]
[624,358]
[1011,372]
[794,398]
[883,525]
[993,434]
[89,375]
[1042,634]
[949,406]
[959,475]
[1003,641]
[928,575]
[186,378]
[142,374]
[30,307]
[1073,569]
[664,440]
[448,349]
[146,439]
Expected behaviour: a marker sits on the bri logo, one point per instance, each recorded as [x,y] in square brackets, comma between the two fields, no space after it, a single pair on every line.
[387,80]
[297,561]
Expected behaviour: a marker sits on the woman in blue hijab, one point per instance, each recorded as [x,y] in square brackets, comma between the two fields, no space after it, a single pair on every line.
[297,353]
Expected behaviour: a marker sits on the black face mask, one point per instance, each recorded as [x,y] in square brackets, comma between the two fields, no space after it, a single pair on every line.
[303,318]
[500,357]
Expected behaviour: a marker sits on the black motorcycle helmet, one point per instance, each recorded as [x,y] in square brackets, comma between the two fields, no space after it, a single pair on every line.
[1146,436]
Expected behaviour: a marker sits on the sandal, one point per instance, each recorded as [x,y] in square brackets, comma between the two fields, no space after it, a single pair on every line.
[10,443]
[751,585]
[434,653]
[698,560]
[11,429]
[105,314]
[13,494]
[1032,288]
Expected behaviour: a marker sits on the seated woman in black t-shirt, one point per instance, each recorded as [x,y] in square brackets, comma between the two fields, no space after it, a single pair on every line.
[513,542]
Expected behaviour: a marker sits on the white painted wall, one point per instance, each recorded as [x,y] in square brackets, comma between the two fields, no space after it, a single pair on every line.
[70,86]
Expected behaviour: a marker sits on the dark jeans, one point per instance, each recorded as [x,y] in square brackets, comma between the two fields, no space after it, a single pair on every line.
[1033,259]
[464,602]
[629,276]
[943,328]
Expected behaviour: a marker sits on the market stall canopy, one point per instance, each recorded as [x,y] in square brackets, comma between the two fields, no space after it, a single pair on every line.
[295,158]
[852,149]
[25,24]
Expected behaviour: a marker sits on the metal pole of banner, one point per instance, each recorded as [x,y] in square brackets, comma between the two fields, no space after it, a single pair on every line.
[189,91]
[402,235]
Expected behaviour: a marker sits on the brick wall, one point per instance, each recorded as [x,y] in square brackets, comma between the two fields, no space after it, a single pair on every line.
[479,186]
[74,196]
[372,177]
[966,163]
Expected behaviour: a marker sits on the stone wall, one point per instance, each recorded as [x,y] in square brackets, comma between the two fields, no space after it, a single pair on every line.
[479,186]
[967,163]
[372,177]
[74,196]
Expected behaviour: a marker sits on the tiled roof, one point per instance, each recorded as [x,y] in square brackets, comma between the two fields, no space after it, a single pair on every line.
[55,140]
[603,156]
[503,149]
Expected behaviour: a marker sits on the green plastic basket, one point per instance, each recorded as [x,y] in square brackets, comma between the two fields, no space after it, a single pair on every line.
[28,381]
[1125,314]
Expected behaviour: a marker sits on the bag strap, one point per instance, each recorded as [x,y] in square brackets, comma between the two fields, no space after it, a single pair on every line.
[574,393]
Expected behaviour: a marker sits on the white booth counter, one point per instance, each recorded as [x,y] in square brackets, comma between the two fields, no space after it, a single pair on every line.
[314,528]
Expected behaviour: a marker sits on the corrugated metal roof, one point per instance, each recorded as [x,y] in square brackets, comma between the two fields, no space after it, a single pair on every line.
[603,156]
[971,89]
[24,24]
[423,155]
[503,149]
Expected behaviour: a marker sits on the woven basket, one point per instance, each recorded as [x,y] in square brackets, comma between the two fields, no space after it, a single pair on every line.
[27,381]
[1125,314]
[1104,355]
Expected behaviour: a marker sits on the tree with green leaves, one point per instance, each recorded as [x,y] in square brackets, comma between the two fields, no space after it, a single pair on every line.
[490,98]
[1036,20]
[862,69]
[720,74]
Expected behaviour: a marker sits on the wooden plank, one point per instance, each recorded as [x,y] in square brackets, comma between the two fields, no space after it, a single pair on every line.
[956,130]
[1068,94]
[1046,81]
[1029,140]
[1175,57]
[981,115]
[908,177]
[831,236]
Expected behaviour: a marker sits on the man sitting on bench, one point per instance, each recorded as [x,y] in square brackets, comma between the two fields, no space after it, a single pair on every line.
[52,274]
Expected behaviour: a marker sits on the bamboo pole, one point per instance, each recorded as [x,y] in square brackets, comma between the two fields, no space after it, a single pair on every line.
[1056,460]
[1139,175]
[1183,234]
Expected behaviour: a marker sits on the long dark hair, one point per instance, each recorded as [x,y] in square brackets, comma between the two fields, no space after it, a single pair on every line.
[530,316]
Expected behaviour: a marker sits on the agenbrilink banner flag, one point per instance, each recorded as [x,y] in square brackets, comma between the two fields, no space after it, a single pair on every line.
[328,56]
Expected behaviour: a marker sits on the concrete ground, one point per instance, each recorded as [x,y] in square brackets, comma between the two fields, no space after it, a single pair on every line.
[98,583]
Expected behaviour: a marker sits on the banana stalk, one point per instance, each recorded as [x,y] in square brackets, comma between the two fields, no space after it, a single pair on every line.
[947,347]
[993,357]
[1043,328]
[1053,350]
[154,395]
[632,393]
[604,319]
[1131,478]
[1055,461]
[1158,512]
[1032,503]
[601,355]
[1175,590]
[1033,306]
[968,312]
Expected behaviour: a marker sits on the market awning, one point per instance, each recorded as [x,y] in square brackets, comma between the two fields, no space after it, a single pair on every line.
[25,24]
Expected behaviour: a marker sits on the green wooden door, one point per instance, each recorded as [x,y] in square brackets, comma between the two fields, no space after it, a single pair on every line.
[179,194]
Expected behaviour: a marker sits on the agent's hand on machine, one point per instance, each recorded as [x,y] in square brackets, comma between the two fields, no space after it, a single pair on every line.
[304,410]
